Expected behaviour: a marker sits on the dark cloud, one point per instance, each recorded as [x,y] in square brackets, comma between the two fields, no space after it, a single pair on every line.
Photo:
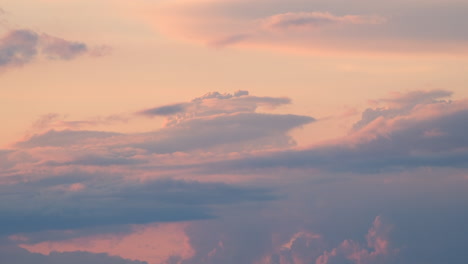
[164,110]
[314,203]
[60,203]
[16,255]
[18,47]
[327,220]
[424,135]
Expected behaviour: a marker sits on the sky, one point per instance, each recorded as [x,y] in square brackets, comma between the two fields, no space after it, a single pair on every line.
[233,131]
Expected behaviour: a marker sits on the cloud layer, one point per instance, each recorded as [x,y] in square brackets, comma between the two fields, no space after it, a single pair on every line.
[316,27]
[228,169]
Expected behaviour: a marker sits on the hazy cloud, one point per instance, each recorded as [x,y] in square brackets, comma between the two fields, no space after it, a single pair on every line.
[18,47]
[316,26]
[21,46]
[64,138]
[13,254]
[164,110]
[315,20]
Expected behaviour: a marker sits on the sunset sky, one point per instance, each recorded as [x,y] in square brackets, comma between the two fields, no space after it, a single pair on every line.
[233,132]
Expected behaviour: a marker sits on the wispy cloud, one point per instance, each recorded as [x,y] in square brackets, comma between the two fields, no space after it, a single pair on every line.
[22,46]
[314,27]
[315,20]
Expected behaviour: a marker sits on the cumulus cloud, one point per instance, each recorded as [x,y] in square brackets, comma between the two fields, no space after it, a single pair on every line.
[352,252]
[261,243]
[401,104]
[429,134]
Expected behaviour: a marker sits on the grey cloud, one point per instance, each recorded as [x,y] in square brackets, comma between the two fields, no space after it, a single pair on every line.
[102,161]
[227,121]
[22,46]
[15,255]
[214,103]
[410,142]
[242,129]
[239,129]
[18,47]
[58,48]
[64,202]
[364,26]
[330,218]
[164,110]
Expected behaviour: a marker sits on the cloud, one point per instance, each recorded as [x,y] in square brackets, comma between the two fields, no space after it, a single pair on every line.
[315,27]
[250,242]
[261,204]
[64,138]
[315,20]
[401,104]
[351,252]
[57,48]
[55,121]
[231,131]
[229,40]
[428,134]
[22,46]
[18,47]
[66,202]
[214,103]
[12,254]
[164,110]
[136,243]
[227,121]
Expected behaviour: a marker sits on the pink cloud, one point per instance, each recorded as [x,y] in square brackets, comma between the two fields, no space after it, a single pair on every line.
[308,30]
[377,250]
[315,20]
[152,243]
